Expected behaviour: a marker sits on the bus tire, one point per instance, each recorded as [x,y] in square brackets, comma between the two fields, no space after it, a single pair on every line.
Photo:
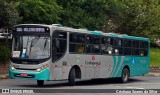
[72,77]
[125,75]
[40,82]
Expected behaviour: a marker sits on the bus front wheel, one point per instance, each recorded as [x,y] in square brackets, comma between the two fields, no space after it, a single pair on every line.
[40,82]
[72,77]
[125,75]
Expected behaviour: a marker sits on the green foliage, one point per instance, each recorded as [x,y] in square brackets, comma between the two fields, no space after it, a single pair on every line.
[9,15]
[89,14]
[4,54]
[138,18]
[132,17]
[39,11]
[155,59]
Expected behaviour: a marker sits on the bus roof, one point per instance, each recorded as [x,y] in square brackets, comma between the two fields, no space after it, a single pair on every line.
[45,25]
[101,33]
[86,31]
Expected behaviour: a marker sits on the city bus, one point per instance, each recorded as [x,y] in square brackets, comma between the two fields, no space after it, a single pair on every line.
[55,52]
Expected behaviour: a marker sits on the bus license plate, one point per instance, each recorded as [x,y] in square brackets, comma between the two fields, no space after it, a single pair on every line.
[23,75]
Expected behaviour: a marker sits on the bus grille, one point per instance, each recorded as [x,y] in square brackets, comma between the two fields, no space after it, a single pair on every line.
[26,69]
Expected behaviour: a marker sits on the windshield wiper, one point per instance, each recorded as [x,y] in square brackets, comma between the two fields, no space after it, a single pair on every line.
[33,42]
[45,44]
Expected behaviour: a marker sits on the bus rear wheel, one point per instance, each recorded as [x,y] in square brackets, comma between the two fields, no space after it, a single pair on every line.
[40,82]
[72,77]
[125,75]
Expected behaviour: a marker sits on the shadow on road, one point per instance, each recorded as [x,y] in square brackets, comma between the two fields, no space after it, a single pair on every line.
[53,84]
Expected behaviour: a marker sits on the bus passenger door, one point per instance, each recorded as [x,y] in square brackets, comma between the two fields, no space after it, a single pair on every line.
[59,47]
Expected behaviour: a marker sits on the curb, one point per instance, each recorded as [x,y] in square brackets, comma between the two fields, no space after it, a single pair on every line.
[153,75]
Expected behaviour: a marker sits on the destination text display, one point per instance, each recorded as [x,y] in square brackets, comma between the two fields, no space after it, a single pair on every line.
[20,29]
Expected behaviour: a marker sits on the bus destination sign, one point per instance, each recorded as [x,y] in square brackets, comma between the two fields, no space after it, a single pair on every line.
[30,29]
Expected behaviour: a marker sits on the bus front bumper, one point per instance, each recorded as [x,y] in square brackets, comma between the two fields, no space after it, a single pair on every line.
[31,75]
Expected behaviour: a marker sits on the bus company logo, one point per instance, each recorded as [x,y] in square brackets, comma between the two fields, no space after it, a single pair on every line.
[93,58]
[93,62]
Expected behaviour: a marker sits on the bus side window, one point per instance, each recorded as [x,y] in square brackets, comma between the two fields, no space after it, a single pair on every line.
[135,48]
[141,52]
[77,43]
[93,44]
[118,51]
[110,45]
[135,44]
[117,42]
[106,45]
[80,48]
[118,47]
[135,52]
[143,44]
[127,47]
[143,48]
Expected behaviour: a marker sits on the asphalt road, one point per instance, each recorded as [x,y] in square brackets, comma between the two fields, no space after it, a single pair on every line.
[140,82]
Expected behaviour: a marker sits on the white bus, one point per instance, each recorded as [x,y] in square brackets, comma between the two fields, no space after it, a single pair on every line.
[53,52]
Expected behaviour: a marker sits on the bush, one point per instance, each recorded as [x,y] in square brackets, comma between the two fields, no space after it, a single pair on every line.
[4,53]
[154,54]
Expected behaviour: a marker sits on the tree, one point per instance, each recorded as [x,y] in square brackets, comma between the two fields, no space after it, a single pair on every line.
[137,18]
[4,54]
[9,14]
[89,14]
[39,11]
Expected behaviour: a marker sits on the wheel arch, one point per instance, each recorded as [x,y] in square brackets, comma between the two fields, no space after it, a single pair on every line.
[77,71]
[126,66]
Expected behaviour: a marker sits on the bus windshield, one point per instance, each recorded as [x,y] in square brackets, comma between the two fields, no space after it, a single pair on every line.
[31,47]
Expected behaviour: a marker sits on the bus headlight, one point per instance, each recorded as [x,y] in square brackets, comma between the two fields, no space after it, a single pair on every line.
[39,69]
[12,68]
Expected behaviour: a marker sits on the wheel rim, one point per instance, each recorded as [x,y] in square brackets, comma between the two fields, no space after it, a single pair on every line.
[125,76]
